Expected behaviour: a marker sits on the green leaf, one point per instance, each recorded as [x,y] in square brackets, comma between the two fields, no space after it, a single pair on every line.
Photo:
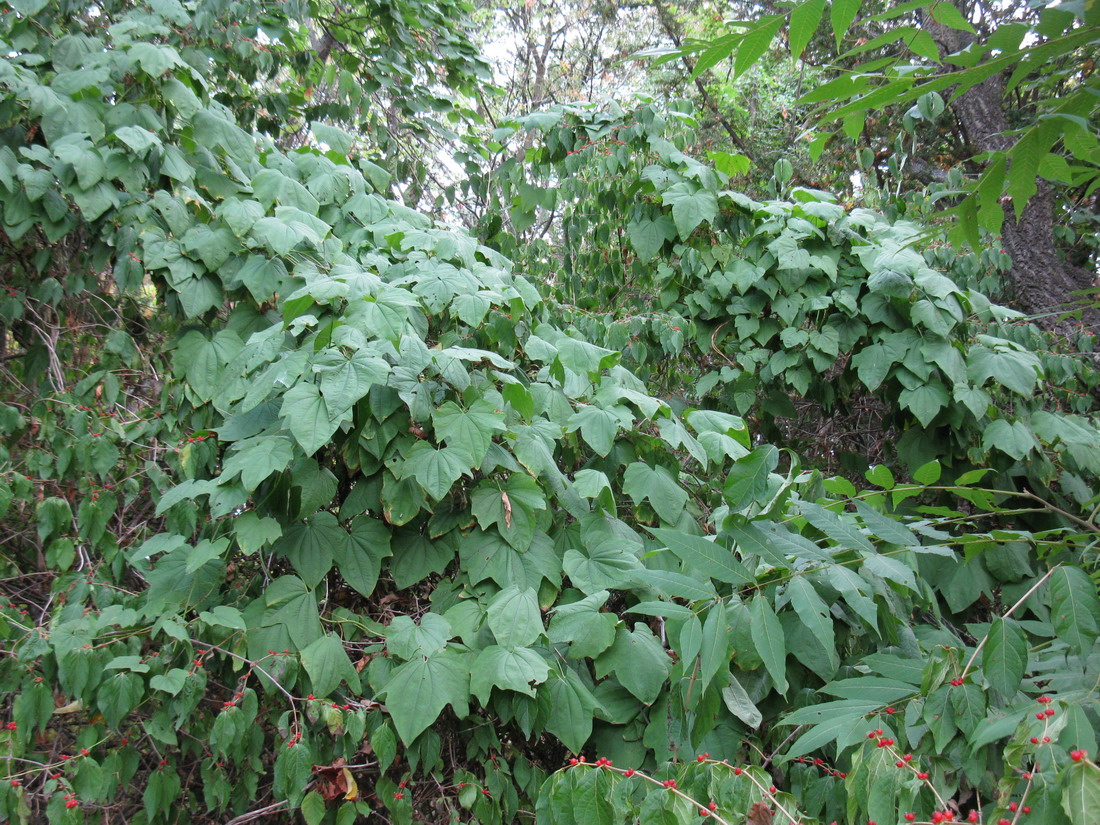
[435,470]
[928,473]
[1015,370]
[408,640]
[748,477]
[638,662]
[359,557]
[327,664]
[499,667]
[306,415]
[257,458]
[840,527]
[690,206]
[755,42]
[512,506]
[594,800]
[1004,658]
[649,235]
[704,556]
[714,653]
[171,681]
[349,381]
[880,476]
[469,431]
[666,496]
[139,139]
[768,638]
[925,401]
[740,704]
[814,614]
[337,139]
[253,532]
[313,808]
[514,617]
[598,427]
[1011,438]
[589,631]
[1074,608]
[571,709]
[805,18]
[676,585]
[203,552]
[601,566]
[279,236]
[841,14]
[419,690]
[309,546]
[154,59]
[290,603]
[949,15]
[1081,797]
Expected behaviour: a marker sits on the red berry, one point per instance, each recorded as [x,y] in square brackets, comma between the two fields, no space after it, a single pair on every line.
[1040,715]
[1003,822]
[704,812]
[702,757]
[891,711]
[629,772]
[922,776]
[736,771]
[713,806]
[771,789]
[1049,711]
[1027,810]
[1012,806]
[899,764]
[1035,740]
[1077,756]
[397,795]
[910,817]
[15,783]
[972,816]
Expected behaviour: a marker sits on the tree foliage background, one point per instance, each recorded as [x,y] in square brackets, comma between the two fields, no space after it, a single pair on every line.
[387,442]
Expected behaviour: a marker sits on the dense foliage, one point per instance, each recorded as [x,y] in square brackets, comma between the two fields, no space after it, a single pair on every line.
[316,506]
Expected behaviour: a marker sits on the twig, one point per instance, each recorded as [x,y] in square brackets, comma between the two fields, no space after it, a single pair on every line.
[256,814]
[1007,613]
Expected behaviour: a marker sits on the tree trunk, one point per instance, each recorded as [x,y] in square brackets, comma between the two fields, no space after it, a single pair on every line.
[1041,280]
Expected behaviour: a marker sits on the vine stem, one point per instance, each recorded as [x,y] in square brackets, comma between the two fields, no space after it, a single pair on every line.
[712,814]
[702,807]
[256,814]
[1007,613]
[256,667]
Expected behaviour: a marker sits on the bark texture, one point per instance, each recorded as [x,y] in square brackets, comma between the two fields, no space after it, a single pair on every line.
[1041,279]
